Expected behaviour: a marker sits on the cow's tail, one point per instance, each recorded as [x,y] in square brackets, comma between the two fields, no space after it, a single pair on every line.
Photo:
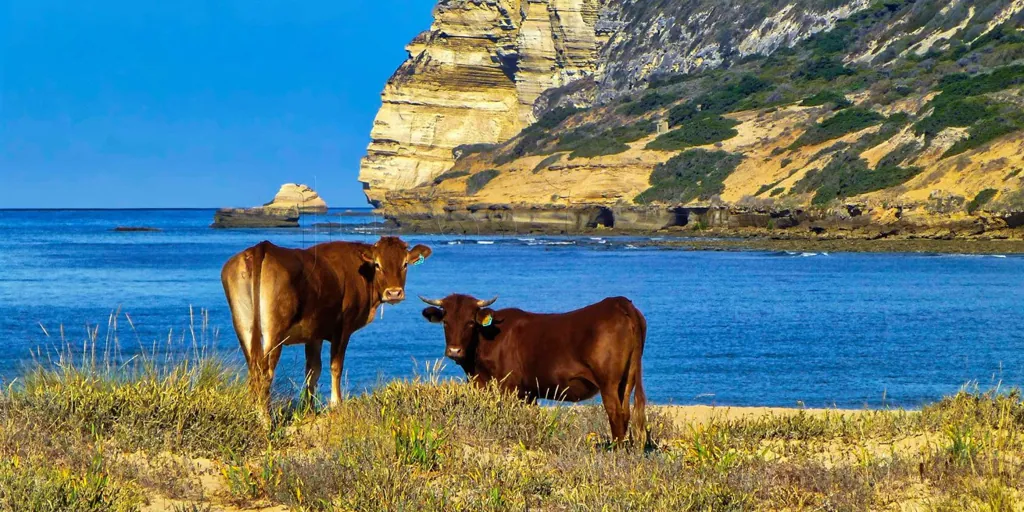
[257,358]
[639,397]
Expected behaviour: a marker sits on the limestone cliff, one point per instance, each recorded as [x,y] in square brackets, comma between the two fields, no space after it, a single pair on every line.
[899,109]
[473,79]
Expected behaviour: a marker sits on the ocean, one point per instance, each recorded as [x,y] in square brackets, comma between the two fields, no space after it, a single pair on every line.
[727,328]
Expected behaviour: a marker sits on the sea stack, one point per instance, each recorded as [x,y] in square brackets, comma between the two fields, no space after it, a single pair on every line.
[291,201]
[294,195]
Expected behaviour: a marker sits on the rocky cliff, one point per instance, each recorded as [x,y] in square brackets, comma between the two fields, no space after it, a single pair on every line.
[896,109]
[473,78]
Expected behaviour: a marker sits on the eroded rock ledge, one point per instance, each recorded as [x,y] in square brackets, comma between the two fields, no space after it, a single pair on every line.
[851,221]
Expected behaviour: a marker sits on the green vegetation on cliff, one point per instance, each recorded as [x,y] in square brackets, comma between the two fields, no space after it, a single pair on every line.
[478,181]
[981,199]
[846,121]
[848,175]
[696,132]
[694,174]
[876,73]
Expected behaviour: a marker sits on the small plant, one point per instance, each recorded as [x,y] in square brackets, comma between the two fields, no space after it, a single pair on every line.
[963,446]
[419,444]
[34,486]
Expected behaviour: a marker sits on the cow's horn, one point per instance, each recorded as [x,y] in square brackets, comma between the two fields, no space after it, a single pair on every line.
[432,302]
[485,303]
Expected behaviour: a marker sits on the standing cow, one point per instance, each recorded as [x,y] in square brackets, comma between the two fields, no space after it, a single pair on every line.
[569,356]
[280,296]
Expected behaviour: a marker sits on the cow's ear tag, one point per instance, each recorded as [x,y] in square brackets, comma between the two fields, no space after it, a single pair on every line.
[419,260]
[488,320]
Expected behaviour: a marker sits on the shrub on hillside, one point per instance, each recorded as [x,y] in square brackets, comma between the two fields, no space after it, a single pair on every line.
[697,132]
[531,139]
[846,121]
[479,180]
[652,100]
[825,97]
[695,174]
[448,175]
[960,112]
[983,133]
[981,199]
[585,144]
[848,175]
[824,68]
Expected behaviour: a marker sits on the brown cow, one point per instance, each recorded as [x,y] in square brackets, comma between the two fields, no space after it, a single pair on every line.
[568,356]
[280,296]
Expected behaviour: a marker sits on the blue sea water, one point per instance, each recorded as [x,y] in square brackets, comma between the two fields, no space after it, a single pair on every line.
[729,328]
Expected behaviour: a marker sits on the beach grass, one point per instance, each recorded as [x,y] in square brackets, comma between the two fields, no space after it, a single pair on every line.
[101,433]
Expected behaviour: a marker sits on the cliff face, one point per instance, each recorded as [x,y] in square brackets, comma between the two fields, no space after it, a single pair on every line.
[902,108]
[473,79]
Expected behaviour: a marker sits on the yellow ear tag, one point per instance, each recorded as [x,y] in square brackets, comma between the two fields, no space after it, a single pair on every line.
[487,321]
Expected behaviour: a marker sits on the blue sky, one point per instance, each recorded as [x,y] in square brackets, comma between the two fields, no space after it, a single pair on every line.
[187,103]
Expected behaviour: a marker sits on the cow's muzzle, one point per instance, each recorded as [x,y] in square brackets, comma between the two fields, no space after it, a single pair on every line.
[455,354]
[393,295]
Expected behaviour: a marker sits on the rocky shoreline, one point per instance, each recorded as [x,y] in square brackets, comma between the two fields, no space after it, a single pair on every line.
[849,229]
[849,221]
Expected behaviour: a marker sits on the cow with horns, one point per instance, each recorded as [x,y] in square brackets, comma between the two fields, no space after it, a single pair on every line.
[568,356]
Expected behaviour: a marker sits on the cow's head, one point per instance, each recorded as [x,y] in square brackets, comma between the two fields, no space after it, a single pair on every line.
[390,258]
[463,317]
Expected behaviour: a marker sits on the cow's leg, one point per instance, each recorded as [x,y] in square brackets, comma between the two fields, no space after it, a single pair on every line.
[338,347]
[613,407]
[314,365]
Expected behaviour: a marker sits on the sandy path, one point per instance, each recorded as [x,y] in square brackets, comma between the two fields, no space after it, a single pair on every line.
[688,414]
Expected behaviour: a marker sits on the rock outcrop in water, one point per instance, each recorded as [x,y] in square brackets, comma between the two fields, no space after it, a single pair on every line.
[902,112]
[292,201]
[294,195]
[260,217]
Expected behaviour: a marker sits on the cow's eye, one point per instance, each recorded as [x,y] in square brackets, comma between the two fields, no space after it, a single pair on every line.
[376,265]
[405,265]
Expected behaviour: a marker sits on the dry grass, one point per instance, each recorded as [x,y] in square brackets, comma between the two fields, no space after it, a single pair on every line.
[185,437]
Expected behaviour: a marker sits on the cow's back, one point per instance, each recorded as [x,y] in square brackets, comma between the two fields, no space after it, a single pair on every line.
[537,349]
